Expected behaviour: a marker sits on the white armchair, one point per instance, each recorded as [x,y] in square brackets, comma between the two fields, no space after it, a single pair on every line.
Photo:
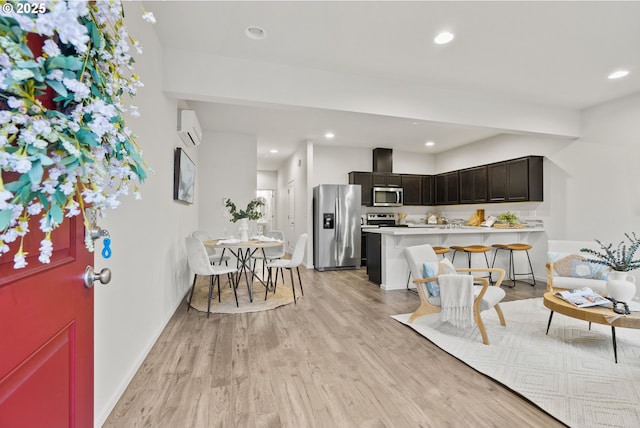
[486,296]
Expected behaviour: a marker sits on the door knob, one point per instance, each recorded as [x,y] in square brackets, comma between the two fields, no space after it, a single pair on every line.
[104,276]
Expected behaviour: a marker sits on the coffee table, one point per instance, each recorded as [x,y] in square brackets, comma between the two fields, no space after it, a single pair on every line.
[596,314]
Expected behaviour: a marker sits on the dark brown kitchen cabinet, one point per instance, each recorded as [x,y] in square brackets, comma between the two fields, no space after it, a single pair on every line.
[364,179]
[412,189]
[385,179]
[473,185]
[374,257]
[447,188]
[516,180]
[428,191]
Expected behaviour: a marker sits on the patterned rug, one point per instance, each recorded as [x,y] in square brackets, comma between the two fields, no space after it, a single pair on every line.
[570,374]
[283,296]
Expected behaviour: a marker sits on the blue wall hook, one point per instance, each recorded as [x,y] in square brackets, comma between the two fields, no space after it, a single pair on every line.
[106,251]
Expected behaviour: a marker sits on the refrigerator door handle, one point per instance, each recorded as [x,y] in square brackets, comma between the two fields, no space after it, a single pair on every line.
[338,221]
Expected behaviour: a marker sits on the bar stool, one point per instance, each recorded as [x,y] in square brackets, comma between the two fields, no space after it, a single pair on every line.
[511,272]
[472,249]
[438,250]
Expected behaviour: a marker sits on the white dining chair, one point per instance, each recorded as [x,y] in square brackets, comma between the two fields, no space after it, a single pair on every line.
[289,264]
[215,256]
[270,253]
[199,263]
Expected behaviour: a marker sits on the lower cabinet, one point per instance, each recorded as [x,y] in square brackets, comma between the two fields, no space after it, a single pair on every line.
[374,257]
[363,249]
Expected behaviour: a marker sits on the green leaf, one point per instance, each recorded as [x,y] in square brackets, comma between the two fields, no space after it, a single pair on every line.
[73,63]
[60,198]
[45,160]
[36,172]
[58,87]
[87,137]
[5,219]
[94,33]
[56,213]
[27,64]
[68,160]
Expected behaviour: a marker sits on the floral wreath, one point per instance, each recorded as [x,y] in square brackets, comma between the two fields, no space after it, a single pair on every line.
[57,157]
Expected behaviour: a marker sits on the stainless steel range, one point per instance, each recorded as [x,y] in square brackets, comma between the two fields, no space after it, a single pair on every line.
[381,219]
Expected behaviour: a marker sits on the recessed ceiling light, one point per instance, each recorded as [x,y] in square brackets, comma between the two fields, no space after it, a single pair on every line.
[255,33]
[329,135]
[443,38]
[429,144]
[273,151]
[618,74]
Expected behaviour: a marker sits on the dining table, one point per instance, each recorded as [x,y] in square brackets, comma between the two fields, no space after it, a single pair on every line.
[244,251]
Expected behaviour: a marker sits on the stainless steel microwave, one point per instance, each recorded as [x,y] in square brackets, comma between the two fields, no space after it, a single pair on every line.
[387,197]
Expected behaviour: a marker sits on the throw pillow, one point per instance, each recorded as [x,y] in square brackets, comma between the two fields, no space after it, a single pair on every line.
[431,270]
[576,266]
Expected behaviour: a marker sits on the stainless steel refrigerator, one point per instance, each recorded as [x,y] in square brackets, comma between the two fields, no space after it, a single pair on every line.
[336,226]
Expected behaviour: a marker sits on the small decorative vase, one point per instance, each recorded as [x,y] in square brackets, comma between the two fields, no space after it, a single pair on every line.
[244,229]
[621,286]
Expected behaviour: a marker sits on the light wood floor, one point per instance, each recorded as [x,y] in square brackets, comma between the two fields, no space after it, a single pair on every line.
[336,359]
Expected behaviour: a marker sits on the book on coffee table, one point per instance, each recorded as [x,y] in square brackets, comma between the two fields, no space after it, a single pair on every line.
[583,297]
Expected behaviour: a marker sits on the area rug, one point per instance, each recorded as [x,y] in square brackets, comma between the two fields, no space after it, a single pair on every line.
[569,373]
[283,296]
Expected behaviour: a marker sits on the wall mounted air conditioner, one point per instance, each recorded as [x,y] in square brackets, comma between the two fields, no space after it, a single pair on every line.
[189,128]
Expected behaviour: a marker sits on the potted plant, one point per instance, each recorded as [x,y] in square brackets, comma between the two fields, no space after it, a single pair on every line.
[509,218]
[250,213]
[620,285]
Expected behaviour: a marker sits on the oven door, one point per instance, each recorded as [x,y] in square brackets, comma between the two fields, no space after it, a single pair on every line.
[387,197]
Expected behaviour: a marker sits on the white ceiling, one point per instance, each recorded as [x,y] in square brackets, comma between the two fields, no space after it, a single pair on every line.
[544,53]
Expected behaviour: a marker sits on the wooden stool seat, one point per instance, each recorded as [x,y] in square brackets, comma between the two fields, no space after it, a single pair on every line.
[472,249]
[441,250]
[511,272]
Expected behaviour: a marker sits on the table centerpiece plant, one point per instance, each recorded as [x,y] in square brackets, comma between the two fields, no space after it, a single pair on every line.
[621,259]
[243,216]
[65,69]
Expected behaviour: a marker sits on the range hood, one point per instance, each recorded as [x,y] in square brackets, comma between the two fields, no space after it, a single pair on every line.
[382,160]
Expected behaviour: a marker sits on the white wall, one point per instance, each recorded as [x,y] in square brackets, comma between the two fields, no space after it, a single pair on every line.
[295,169]
[149,269]
[267,180]
[227,170]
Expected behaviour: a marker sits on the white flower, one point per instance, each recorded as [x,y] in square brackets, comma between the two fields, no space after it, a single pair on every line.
[46,249]
[45,224]
[5,196]
[72,209]
[133,110]
[55,74]
[23,165]
[34,208]
[78,88]
[149,17]
[51,48]
[19,261]
[5,116]
[4,248]
[15,103]
[21,74]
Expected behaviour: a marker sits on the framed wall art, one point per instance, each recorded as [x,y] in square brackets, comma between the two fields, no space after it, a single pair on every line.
[184,177]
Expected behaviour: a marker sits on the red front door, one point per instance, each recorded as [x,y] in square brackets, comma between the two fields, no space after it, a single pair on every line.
[46,334]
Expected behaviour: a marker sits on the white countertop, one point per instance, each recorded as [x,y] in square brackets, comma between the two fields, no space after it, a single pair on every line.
[441,230]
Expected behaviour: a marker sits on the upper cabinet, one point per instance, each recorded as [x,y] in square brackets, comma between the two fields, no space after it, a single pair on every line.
[446,187]
[386,179]
[364,179]
[412,189]
[515,180]
[473,185]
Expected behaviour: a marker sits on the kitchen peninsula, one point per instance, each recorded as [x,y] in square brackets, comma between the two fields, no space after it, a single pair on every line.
[387,265]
